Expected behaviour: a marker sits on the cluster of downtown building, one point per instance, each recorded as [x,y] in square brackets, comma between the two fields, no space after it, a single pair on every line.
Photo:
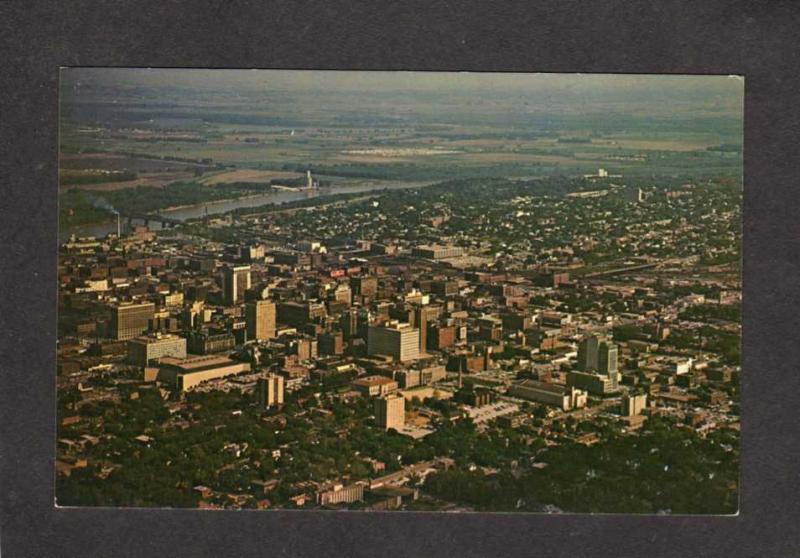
[409,323]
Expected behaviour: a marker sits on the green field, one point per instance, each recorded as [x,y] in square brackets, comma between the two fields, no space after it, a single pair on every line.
[173,134]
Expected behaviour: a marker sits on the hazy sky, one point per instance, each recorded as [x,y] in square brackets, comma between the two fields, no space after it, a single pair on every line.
[311,97]
[728,87]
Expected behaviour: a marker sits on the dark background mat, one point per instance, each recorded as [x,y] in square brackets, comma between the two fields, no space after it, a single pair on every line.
[756,39]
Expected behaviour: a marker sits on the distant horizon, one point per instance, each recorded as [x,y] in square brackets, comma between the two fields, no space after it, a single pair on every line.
[722,94]
[425,78]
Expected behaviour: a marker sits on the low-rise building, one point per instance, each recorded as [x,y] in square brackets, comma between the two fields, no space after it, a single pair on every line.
[374,386]
[490,412]
[187,373]
[340,494]
[142,350]
[205,342]
[597,384]
[437,252]
[633,404]
[554,395]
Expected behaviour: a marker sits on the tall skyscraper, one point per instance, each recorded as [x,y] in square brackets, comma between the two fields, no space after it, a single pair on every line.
[129,320]
[235,281]
[260,318]
[598,355]
[588,352]
[270,391]
[349,323]
[607,364]
[390,411]
[607,353]
[364,285]
[423,316]
[331,343]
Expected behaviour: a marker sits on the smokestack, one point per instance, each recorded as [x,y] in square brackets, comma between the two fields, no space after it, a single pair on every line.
[119,227]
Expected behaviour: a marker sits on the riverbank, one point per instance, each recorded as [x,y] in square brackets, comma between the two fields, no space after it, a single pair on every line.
[221,206]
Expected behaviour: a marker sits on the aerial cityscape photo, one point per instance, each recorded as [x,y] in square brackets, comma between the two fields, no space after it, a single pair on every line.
[419,291]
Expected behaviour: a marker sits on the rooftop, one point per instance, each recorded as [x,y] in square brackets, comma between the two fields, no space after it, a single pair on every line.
[156,338]
[194,363]
[372,381]
[541,386]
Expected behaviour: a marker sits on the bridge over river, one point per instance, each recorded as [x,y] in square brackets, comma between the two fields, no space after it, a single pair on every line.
[148,218]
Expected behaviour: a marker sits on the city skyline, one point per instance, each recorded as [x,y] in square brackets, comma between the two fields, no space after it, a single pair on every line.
[422,291]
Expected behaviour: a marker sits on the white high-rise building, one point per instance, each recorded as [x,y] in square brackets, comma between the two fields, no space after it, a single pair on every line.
[397,340]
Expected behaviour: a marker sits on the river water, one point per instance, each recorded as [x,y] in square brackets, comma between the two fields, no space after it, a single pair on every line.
[218,207]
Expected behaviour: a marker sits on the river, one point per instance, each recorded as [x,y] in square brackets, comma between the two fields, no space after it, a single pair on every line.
[223,206]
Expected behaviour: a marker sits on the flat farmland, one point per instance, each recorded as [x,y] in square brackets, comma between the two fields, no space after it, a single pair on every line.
[246,175]
[521,157]
[155,179]
[114,162]
[407,152]
[88,170]
[682,144]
